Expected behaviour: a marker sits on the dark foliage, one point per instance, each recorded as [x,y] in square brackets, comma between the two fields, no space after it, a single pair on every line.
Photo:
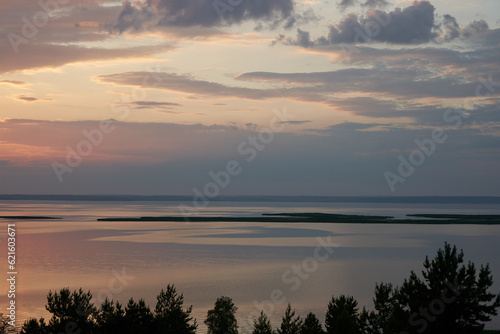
[222,318]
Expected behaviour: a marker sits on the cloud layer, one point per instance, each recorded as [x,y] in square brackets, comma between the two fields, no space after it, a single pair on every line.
[205,13]
[343,155]
[415,24]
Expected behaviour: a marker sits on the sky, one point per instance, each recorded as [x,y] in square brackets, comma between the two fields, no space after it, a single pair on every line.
[250,97]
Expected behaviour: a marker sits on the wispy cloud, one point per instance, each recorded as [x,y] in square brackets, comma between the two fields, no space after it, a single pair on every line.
[294,122]
[150,104]
[53,56]
[30,98]
[13,82]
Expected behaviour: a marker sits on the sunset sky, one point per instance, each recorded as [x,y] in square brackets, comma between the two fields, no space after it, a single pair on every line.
[303,97]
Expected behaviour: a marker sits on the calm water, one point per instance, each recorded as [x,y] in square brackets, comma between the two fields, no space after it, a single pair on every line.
[249,262]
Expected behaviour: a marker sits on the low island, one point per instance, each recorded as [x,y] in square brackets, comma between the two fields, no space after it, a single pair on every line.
[327,218]
[28,217]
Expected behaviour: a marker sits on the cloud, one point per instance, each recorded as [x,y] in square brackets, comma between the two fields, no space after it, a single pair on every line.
[150,104]
[475,28]
[52,56]
[375,3]
[186,84]
[346,127]
[70,35]
[451,27]
[344,4]
[378,92]
[294,122]
[204,13]
[13,82]
[125,143]
[338,159]
[411,25]
[403,83]
[30,98]
[415,24]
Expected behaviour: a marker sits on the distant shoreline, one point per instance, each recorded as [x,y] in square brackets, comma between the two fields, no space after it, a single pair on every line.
[434,219]
[259,198]
[28,217]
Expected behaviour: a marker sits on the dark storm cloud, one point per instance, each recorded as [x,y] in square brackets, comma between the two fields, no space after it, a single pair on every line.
[205,13]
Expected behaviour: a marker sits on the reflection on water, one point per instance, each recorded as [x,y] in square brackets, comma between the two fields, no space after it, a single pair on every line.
[245,261]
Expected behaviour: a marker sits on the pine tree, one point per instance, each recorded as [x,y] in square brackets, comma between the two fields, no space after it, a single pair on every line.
[170,317]
[289,324]
[138,317]
[311,325]
[33,326]
[342,316]
[453,297]
[71,310]
[262,325]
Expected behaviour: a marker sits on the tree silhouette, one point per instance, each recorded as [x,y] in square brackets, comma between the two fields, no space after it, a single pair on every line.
[342,316]
[71,311]
[311,325]
[4,323]
[170,317]
[138,317]
[453,297]
[221,319]
[262,325]
[389,315]
[289,324]
[34,326]
[110,318]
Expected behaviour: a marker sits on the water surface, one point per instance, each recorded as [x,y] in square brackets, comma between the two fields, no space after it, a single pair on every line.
[246,261]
